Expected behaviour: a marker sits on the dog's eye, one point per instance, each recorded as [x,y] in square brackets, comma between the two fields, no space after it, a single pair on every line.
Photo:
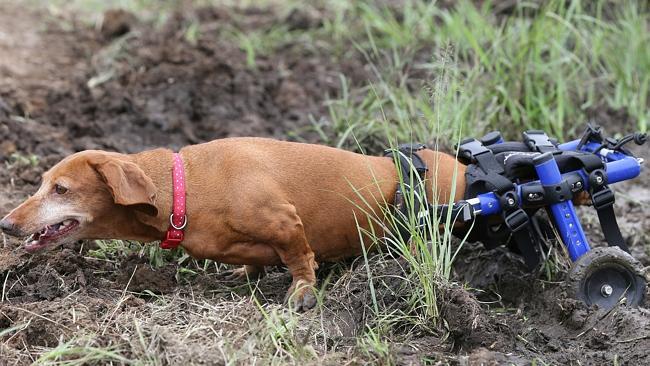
[59,189]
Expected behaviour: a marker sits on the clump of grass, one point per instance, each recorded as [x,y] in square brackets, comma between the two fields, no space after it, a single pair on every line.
[281,332]
[116,250]
[19,159]
[79,352]
[425,255]
[376,347]
[256,43]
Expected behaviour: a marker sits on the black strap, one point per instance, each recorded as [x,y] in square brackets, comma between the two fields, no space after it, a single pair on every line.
[602,197]
[527,248]
[411,166]
[610,228]
[589,162]
[603,200]
[592,133]
[509,146]
[518,222]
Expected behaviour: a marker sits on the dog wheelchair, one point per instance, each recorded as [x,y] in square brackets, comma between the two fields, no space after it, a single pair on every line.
[508,185]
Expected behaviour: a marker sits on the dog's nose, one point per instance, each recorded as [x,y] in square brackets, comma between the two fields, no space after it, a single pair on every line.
[7,226]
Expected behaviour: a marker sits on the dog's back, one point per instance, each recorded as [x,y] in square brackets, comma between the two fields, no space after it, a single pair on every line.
[331,189]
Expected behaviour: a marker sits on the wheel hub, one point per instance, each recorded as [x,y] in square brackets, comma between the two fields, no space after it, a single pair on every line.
[606,277]
[608,285]
[606,290]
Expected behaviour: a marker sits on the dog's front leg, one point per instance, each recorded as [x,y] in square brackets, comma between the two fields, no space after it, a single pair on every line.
[290,242]
[301,295]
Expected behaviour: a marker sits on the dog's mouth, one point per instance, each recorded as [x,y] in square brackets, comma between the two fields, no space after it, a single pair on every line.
[50,234]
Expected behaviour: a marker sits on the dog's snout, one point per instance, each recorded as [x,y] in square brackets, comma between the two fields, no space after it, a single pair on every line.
[8,227]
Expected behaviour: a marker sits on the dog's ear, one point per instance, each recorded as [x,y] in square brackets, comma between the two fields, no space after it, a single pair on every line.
[128,184]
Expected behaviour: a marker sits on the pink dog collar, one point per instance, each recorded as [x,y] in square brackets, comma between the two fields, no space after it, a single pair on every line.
[178,218]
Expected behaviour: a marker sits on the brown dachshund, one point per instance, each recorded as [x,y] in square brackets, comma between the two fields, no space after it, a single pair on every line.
[250,201]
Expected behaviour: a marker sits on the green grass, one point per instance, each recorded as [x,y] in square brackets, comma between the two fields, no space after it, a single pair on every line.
[427,256]
[19,159]
[540,71]
[76,352]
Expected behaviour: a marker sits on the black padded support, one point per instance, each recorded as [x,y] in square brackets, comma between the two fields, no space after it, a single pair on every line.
[412,169]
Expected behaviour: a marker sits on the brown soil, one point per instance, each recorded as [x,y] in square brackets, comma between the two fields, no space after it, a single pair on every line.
[128,87]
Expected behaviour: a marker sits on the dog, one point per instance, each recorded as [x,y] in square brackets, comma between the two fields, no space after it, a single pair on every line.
[250,201]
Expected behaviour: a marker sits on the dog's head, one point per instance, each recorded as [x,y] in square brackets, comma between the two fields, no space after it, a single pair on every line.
[77,198]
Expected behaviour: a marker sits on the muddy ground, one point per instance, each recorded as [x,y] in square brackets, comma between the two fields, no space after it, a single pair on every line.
[65,87]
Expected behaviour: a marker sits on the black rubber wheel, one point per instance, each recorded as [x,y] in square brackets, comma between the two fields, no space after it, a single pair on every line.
[604,276]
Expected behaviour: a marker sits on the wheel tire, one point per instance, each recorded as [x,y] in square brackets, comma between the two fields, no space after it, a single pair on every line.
[609,266]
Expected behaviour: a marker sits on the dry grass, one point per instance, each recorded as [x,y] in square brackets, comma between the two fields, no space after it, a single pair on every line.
[190,326]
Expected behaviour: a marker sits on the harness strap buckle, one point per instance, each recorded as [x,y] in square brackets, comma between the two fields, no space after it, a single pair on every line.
[474,151]
[538,141]
[603,198]
[492,138]
[471,148]
[517,220]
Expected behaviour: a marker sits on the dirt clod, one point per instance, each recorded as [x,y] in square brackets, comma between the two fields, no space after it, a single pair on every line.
[117,22]
[137,275]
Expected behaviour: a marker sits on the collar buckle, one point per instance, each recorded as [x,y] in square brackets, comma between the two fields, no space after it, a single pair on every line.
[172,240]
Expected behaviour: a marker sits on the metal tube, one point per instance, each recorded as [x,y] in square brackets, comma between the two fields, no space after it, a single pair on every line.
[617,171]
[564,214]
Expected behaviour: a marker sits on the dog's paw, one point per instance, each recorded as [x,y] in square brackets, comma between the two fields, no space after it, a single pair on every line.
[301,296]
[244,273]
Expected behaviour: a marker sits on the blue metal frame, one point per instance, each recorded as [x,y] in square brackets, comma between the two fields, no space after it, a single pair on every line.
[619,167]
